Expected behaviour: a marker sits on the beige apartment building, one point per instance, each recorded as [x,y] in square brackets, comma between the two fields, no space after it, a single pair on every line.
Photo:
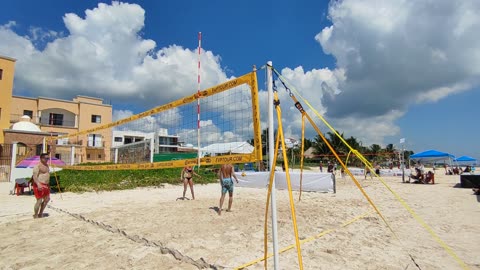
[7,71]
[55,117]
[60,117]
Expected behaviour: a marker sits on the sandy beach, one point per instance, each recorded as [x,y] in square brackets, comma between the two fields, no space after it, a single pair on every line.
[149,228]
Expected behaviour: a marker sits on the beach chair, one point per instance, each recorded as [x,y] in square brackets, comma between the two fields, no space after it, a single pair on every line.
[20,185]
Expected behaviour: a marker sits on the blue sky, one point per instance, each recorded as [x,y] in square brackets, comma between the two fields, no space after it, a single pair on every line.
[394,69]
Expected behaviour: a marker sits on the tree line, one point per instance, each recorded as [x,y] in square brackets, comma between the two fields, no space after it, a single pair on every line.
[375,153]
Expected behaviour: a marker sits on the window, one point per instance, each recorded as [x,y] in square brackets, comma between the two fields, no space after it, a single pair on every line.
[118,139]
[128,140]
[59,156]
[1,74]
[29,113]
[88,156]
[55,119]
[96,118]
[94,140]
[99,156]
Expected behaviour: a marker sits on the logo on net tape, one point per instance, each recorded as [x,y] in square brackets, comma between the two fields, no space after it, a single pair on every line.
[190,162]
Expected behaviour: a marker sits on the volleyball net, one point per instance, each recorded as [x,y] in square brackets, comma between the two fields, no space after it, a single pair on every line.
[170,135]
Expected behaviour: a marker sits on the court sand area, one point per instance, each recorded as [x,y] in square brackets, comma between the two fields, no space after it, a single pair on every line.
[149,228]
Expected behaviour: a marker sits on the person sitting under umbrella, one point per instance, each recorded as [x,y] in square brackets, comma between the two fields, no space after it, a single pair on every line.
[430,177]
[418,176]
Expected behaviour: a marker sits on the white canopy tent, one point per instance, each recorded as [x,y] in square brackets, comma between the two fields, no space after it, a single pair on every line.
[227,148]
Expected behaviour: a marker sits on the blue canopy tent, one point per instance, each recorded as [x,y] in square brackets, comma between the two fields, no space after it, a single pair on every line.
[465,161]
[430,156]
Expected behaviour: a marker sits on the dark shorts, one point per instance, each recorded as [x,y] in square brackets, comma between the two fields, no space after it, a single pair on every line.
[227,185]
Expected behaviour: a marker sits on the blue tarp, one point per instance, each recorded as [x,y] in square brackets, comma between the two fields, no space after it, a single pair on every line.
[431,155]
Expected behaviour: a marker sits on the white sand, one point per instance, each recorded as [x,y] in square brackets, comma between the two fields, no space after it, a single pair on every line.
[105,229]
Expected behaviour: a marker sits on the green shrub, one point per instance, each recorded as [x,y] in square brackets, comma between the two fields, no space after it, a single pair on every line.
[82,181]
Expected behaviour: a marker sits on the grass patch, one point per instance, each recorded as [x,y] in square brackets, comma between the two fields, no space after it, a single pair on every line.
[82,181]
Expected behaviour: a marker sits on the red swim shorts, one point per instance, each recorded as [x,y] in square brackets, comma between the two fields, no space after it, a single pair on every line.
[41,192]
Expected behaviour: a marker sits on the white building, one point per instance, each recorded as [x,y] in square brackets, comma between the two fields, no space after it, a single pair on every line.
[164,143]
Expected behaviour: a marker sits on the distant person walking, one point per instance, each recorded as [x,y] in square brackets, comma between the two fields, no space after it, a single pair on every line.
[226,182]
[321,167]
[330,167]
[187,178]
[367,171]
[41,187]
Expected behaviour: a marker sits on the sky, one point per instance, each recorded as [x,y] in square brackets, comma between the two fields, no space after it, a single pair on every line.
[376,70]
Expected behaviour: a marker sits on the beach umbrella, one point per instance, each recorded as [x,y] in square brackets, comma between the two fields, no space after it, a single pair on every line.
[30,162]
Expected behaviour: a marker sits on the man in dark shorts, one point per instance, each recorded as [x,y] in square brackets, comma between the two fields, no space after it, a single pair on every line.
[226,182]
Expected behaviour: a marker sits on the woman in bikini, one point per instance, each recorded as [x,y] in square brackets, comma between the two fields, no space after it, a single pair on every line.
[187,178]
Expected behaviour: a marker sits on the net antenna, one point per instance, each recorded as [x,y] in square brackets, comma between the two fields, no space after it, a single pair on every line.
[198,100]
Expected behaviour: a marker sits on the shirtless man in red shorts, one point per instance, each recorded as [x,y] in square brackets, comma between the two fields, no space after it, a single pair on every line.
[41,187]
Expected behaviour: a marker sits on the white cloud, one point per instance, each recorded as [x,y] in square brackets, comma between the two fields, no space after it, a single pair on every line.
[397,53]
[121,114]
[105,55]
[389,55]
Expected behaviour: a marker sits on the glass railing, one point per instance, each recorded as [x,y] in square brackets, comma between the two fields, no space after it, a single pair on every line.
[46,121]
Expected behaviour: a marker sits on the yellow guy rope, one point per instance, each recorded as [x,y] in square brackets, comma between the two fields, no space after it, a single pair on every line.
[270,183]
[345,224]
[289,185]
[404,204]
[301,156]
[54,172]
[280,137]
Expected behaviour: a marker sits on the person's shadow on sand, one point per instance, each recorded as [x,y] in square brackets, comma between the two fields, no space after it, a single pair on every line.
[476,191]
[182,198]
[214,208]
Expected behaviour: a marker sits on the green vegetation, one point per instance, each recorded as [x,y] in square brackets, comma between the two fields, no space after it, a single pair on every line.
[82,181]
[321,152]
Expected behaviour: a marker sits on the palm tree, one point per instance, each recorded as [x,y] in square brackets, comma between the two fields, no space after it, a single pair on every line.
[390,152]
[320,146]
[375,149]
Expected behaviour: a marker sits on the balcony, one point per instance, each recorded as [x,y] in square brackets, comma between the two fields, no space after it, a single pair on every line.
[66,119]
[97,144]
[46,121]
[69,142]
